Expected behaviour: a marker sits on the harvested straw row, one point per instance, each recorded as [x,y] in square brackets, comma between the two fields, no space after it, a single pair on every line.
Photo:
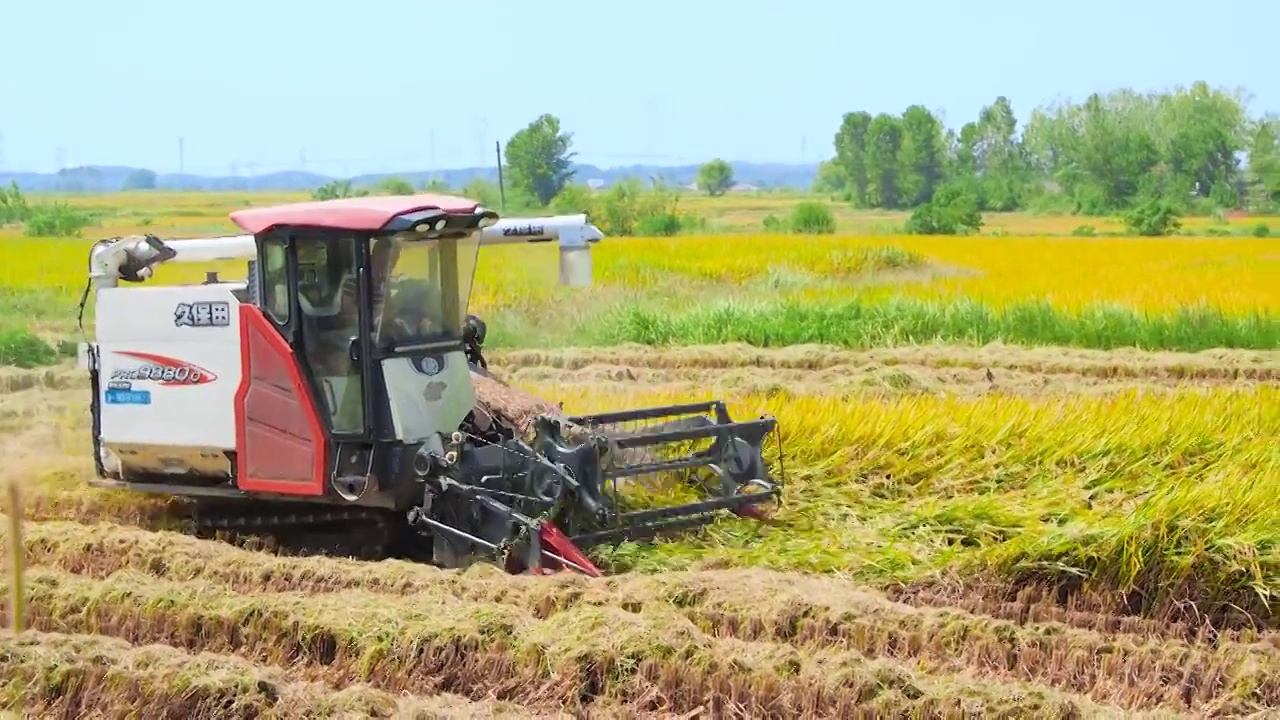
[101,549]
[652,660]
[92,676]
[1110,364]
[98,550]
[1049,603]
[860,382]
[815,613]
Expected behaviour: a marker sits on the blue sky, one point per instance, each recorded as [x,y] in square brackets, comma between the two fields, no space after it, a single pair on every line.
[385,85]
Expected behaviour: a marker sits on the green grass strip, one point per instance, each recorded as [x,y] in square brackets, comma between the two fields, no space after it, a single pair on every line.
[863,324]
[24,349]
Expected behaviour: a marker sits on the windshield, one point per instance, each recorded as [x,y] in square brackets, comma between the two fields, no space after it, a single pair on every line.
[420,287]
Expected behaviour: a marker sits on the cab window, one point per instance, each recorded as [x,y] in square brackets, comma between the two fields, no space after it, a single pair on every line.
[275,279]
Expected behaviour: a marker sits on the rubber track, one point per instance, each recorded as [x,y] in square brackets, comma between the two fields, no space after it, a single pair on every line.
[362,533]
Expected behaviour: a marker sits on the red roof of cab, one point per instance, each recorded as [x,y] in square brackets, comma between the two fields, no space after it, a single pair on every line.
[368,213]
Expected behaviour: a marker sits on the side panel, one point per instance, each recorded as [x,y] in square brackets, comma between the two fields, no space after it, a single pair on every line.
[170,365]
[280,441]
[428,394]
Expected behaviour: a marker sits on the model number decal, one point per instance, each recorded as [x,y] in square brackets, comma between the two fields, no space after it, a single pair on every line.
[128,397]
[160,369]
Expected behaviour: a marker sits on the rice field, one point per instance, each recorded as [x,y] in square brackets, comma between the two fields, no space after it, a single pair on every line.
[1030,475]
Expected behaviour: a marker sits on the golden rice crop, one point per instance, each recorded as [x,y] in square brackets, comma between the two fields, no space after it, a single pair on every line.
[1169,491]
[1233,274]
[1166,492]
[743,211]
[1151,275]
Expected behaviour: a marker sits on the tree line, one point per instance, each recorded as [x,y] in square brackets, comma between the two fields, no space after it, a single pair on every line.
[1106,154]
[1110,153]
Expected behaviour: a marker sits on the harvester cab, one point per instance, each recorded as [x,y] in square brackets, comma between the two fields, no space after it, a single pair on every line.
[327,400]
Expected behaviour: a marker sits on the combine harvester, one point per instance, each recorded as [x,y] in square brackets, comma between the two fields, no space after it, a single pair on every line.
[327,401]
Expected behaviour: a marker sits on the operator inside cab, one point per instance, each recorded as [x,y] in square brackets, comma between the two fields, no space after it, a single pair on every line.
[406,301]
[328,300]
[324,269]
[406,305]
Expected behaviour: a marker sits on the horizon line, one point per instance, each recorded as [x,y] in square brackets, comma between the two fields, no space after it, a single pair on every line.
[420,171]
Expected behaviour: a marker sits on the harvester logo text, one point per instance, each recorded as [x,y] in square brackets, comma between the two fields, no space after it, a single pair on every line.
[165,371]
[524,231]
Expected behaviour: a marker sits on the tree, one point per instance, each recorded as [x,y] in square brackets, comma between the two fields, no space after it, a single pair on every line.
[140,179]
[715,177]
[482,191]
[1006,166]
[335,189]
[538,158]
[13,205]
[830,179]
[989,153]
[851,155]
[1108,153]
[1203,131]
[952,210]
[1153,217]
[1114,154]
[80,179]
[812,218]
[395,186]
[1103,152]
[922,155]
[884,140]
[574,198]
[1264,158]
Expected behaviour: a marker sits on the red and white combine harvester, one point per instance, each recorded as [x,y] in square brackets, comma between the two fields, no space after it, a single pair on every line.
[327,401]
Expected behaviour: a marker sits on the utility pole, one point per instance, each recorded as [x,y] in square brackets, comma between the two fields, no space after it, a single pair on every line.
[1,151]
[182,162]
[502,191]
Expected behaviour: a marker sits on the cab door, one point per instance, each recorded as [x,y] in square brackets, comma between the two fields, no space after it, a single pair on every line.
[282,442]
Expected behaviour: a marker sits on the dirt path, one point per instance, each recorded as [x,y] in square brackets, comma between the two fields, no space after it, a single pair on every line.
[942,368]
